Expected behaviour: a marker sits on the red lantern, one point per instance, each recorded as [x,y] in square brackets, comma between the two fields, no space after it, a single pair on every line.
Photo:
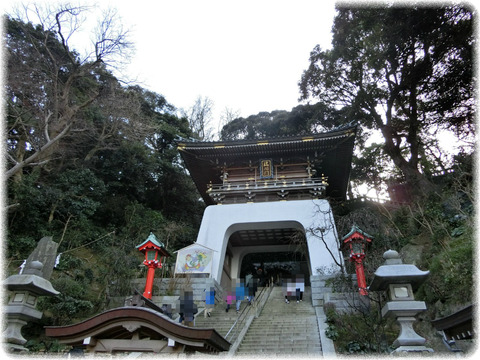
[154,252]
[356,241]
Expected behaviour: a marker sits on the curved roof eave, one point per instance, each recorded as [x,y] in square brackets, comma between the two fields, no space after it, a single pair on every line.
[101,324]
[333,134]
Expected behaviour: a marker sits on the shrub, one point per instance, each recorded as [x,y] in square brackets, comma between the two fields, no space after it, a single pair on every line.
[362,331]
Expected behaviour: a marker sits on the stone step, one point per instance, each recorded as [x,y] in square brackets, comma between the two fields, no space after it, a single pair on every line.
[283,329]
[284,338]
[286,320]
[274,348]
[301,346]
[220,320]
[257,330]
[271,353]
[267,328]
[279,336]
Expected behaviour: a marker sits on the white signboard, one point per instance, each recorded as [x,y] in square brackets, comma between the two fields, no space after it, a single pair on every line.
[194,259]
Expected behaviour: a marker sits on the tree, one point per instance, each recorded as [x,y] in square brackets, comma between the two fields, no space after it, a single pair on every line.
[403,71]
[371,167]
[93,162]
[301,120]
[38,117]
[200,117]
[227,116]
[120,114]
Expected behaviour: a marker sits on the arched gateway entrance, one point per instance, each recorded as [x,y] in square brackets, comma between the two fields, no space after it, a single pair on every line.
[276,265]
[275,253]
[260,192]
[236,230]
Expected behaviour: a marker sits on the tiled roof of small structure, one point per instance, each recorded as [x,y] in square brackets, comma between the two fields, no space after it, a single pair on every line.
[153,239]
[110,324]
[202,158]
[458,324]
[355,229]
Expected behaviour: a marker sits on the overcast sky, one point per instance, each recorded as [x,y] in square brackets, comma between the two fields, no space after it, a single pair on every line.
[245,55]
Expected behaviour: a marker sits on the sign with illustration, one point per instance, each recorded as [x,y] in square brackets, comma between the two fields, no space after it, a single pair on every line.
[194,259]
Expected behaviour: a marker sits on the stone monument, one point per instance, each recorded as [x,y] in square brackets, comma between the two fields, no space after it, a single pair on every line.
[46,253]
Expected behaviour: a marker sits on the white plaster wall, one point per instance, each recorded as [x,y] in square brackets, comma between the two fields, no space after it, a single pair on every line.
[221,221]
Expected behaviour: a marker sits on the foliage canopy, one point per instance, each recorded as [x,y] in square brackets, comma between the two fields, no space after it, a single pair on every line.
[92,161]
[404,71]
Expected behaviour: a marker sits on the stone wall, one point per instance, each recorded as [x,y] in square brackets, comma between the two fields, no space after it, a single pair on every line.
[168,290]
[323,293]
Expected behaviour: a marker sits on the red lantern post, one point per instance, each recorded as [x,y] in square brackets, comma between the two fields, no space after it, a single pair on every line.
[153,249]
[355,241]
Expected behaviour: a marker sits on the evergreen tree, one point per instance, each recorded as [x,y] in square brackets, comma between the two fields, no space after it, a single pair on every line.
[405,71]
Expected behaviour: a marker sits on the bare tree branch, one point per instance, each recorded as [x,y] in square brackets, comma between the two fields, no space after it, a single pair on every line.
[19,166]
[43,115]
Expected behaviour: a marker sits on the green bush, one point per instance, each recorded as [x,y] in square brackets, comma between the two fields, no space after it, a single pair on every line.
[72,302]
[331,332]
[362,331]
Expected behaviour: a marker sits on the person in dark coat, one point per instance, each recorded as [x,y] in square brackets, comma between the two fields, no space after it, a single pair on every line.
[299,287]
[188,308]
[261,277]
[252,286]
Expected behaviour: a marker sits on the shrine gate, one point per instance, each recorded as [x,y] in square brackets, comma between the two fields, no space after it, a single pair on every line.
[264,194]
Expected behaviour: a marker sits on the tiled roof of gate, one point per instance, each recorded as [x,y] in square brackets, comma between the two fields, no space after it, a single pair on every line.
[334,148]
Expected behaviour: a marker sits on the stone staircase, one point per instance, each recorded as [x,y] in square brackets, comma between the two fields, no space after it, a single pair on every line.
[220,320]
[283,329]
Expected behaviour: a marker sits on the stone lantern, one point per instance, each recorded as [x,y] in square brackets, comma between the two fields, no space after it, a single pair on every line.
[400,281]
[154,252]
[24,291]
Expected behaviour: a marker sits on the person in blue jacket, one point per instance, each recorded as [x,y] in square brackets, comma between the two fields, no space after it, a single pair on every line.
[209,300]
[239,292]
